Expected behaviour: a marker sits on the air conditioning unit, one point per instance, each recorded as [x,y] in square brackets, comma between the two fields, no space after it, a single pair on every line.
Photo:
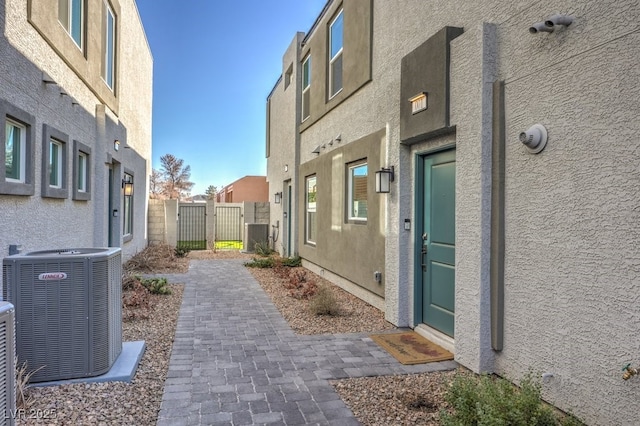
[68,310]
[7,364]
[255,233]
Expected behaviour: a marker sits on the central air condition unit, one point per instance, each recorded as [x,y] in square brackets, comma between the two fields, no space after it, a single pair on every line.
[68,307]
[7,364]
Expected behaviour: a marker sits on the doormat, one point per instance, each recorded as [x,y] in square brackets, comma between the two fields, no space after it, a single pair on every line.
[411,348]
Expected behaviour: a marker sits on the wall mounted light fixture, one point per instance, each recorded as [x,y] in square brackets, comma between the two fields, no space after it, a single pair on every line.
[384,177]
[116,144]
[277,197]
[127,185]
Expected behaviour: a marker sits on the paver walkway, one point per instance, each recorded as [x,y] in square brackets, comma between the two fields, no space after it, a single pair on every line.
[235,360]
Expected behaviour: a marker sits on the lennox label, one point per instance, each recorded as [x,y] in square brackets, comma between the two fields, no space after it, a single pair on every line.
[52,276]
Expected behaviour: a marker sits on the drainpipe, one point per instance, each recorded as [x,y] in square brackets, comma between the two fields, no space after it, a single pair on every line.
[497,218]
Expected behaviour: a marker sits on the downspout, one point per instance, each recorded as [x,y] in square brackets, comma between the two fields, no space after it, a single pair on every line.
[497,217]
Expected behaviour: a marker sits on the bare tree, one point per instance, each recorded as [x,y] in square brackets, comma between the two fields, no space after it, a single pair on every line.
[156,185]
[175,176]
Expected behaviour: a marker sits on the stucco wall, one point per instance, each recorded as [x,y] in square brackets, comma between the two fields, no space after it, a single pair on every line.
[47,223]
[572,257]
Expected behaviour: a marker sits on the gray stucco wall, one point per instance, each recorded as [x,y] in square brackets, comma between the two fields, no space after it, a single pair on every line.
[572,258]
[57,223]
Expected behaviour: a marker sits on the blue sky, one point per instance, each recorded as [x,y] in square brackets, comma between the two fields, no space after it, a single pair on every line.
[215,62]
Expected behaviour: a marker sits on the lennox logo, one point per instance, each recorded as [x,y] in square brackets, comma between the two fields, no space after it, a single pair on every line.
[52,276]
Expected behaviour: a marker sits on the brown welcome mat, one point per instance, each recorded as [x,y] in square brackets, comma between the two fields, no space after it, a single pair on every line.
[411,348]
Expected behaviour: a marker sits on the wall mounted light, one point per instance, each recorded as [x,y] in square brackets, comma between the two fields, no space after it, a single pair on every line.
[286,167]
[277,197]
[419,102]
[116,144]
[127,185]
[384,177]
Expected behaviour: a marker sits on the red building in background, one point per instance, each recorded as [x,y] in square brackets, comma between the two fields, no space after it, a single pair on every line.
[248,188]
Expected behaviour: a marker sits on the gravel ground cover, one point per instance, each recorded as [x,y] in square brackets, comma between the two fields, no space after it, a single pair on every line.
[390,400]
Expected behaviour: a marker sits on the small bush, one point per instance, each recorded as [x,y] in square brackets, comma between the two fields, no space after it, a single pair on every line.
[153,259]
[300,287]
[266,262]
[181,251]
[136,302]
[324,303]
[23,375]
[262,248]
[292,262]
[156,285]
[488,400]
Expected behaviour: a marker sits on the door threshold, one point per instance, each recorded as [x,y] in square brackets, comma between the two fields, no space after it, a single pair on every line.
[436,337]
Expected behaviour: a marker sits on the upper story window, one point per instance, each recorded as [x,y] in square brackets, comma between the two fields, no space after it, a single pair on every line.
[108,45]
[306,87]
[335,54]
[15,152]
[358,183]
[71,16]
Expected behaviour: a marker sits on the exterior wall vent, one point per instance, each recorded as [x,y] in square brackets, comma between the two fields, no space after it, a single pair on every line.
[68,310]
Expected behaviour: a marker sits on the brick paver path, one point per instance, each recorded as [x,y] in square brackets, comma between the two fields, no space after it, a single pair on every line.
[235,361]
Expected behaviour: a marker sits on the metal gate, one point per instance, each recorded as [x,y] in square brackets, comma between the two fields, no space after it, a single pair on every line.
[192,227]
[228,227]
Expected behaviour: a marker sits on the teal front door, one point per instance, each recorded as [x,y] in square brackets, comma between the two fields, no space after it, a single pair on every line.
[436,240]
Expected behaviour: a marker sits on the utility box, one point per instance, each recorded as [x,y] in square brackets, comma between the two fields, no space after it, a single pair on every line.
[7,363]
[255,233]
[68,310]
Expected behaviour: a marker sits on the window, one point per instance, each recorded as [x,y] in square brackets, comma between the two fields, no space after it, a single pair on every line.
[15,152]
[357,191]
[306,87]
[127,222]
[108,46]
[310,207]
[71,16]
[17,171]
[287,76]
[335,57]
[81,172]
[54,163]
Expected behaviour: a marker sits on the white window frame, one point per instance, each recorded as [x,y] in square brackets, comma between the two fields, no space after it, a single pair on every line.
[336,56]
[352,213]
[81,178]
[68,24]
[22,162]
[59,165]
[310,207]
[306,88]
[109,59]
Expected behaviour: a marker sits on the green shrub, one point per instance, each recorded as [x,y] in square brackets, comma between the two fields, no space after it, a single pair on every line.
[324,303]
[262,248]
[181,251]
[156,285]
[488,400]
[292,262]
[266,262]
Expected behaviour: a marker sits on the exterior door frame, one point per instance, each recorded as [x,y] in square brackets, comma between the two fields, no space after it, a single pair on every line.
[419,194]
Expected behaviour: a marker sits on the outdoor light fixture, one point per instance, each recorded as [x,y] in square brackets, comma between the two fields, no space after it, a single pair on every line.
[384,177]
[116,144]
[127,185]
[278,197]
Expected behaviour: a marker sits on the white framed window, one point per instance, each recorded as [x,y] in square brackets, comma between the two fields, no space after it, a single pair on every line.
[55,163]
[15,151]
[357,192]
[311,224]
[127,222]
[82,172]
[336,42]
[306,87]
[71,16]
[108,46]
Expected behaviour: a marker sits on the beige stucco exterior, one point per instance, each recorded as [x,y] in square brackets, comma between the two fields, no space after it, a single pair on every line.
[571,258]
[46,76]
